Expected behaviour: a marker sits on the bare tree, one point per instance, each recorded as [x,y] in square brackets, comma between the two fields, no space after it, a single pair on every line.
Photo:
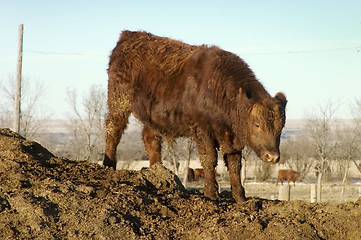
[87,124]
[297,154]
[33,112]
[348,151]
[190,149]
[321,131]
[131,147]
[7,88]
[262,170]
[356,112]
[246,154]
[171,154]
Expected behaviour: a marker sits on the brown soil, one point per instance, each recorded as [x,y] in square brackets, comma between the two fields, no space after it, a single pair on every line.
[44,197]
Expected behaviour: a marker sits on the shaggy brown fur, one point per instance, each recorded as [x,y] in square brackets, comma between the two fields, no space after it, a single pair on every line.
[179,90]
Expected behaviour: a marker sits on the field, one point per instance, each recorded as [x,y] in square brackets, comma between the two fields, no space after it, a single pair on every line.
[45,197]
[331,193]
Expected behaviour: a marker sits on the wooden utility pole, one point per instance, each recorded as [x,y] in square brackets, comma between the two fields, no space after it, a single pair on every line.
[17,111]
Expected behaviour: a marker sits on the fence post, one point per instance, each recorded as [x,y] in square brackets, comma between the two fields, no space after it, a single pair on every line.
[313,193]
[284,192]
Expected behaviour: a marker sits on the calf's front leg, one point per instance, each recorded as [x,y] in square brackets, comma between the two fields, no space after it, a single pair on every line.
[234,165]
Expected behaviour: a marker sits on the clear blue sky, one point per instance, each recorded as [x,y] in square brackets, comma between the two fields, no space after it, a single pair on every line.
[310,49]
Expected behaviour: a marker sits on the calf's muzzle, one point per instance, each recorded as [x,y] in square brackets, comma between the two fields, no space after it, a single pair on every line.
[271,157]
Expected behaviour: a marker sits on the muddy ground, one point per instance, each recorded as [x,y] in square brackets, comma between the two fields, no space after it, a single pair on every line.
[44,197]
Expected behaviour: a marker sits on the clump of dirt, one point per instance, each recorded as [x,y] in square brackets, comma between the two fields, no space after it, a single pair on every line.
[44,197]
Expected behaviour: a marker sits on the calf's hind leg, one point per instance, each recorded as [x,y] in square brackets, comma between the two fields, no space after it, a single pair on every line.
[152,145]
[208,158]
[115,125]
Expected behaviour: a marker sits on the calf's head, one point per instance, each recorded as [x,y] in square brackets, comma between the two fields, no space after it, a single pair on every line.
[265,123]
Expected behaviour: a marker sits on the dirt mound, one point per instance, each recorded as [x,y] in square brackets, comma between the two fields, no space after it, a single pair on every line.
[44,197]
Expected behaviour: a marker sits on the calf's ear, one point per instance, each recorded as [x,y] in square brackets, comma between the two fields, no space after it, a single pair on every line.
[281,98]
[242,96]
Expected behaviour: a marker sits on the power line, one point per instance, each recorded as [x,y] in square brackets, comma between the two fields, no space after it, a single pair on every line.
[357,49]
[65,53]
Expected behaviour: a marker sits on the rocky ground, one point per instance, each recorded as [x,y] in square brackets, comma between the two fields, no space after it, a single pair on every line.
[44,197]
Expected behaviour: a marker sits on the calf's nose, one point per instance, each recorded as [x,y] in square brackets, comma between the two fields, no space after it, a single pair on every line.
[272,157]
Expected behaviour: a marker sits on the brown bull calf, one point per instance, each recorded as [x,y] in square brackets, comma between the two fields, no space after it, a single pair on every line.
[203,92]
